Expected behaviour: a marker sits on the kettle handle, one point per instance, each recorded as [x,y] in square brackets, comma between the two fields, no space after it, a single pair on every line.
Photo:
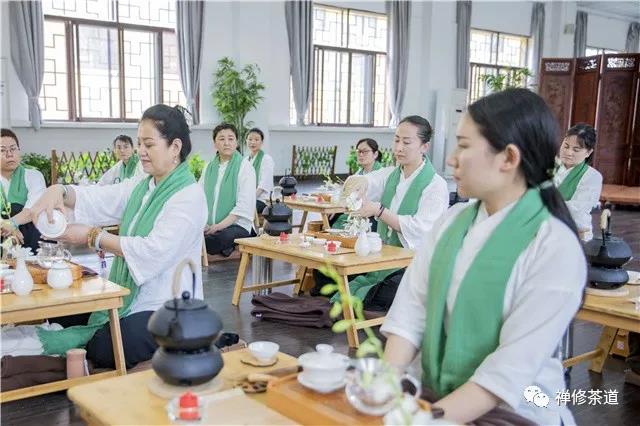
[605,219]
[178,273]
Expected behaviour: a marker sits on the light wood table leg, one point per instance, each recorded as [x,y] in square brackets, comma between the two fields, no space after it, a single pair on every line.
[347,312]
[242,272]
[116,342]
[607,338]
[302,272]
[303,221]
[325,222]
[205,257]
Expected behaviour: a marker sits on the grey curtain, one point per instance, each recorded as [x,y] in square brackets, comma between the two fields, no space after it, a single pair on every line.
[580,36]
[299,18]
[26,23]
[463,40]
[537,32]
[633,38]
[398,58]
[189,35]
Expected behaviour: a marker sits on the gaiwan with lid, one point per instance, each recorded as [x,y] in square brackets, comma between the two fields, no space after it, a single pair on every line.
[324,366]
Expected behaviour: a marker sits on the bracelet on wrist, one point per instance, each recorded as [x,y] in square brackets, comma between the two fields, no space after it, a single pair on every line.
[98,238]
[65,191]
[382,209]
[13,223]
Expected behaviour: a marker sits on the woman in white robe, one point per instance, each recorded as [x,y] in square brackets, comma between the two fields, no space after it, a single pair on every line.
[496,283]
[21,186]
[578,182]
[151,260]
[229,183]
[125,153]
[263,166]
[405,200]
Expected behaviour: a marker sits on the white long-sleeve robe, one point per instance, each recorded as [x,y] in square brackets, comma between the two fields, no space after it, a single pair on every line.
[542,296]
[152,260]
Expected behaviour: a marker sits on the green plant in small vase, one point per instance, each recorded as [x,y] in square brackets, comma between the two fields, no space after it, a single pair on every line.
[235,93]
[385,380]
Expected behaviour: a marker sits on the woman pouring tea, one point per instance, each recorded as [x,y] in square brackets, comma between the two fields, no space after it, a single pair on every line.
[161,220]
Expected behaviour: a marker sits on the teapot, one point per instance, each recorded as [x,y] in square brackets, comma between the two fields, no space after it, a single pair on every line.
[607,250]
[59,275]
[277,216]
[374,385]
[185,329]
[49,253]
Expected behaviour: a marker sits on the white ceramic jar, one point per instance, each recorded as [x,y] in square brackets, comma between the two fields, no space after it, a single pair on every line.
[375,242]
[59,275]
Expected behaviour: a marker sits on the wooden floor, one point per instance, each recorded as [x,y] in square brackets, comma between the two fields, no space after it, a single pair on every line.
[56,409]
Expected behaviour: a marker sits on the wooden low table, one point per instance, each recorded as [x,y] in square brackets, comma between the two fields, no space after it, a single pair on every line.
[325,209]
[89,295]
[344,264]
[127,400]
[620,194]
[613,313]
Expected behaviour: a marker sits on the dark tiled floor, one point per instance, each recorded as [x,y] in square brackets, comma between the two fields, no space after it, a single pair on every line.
[219,279]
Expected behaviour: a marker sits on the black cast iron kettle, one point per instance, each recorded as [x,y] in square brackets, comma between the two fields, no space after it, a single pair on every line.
[185,328]
[606,257]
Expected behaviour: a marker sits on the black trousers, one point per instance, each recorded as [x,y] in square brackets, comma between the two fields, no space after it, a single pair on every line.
[379,298]
[29,231]
[260,205]
[137,342]
[222,242]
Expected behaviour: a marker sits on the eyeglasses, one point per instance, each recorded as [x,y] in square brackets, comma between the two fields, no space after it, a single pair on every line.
[364,151]
[11,150]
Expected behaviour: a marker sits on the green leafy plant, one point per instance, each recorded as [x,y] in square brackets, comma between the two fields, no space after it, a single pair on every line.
[352,160]
[40,163]
[502,81]
[235,93]
[371,346]
[82,166]
[196,165]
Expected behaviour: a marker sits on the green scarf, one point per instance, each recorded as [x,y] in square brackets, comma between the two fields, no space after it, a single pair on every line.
[129,169]
[341,221]
[17,189]
[449,358]
[257,163]
[228,188]
[568,186]
[361,285]
[58,342]
[376,166]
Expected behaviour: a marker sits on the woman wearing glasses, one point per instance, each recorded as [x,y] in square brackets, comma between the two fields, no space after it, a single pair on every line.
[21,187]
[128,165]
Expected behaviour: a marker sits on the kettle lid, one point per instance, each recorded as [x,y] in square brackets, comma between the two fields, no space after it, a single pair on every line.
[185,303]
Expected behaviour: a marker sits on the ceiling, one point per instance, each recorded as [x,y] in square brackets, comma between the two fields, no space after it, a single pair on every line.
[628,9]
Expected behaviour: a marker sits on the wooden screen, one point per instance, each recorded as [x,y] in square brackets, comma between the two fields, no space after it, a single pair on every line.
[615,112]
[633,172]
[585,90]
[556,87]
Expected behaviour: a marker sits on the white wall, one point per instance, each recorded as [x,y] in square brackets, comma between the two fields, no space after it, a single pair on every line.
[255,32]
